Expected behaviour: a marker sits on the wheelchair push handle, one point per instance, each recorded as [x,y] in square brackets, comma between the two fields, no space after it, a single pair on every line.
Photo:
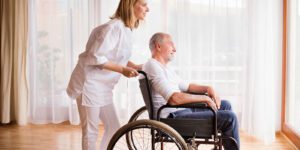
[142,72]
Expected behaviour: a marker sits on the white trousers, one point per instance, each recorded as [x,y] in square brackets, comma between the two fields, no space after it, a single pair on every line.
[90,118]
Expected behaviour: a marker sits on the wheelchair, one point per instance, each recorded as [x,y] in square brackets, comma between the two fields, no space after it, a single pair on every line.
[145,130]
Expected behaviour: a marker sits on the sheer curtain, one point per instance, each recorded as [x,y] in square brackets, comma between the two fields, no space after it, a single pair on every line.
[232,45]
[261,105]
[58,31]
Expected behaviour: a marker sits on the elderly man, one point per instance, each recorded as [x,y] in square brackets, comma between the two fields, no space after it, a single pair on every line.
[167,87]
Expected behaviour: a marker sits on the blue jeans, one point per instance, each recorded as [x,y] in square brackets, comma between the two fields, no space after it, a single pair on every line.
[227,121]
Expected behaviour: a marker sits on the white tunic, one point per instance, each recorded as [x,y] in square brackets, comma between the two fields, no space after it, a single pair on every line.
[109,42]
[164,83]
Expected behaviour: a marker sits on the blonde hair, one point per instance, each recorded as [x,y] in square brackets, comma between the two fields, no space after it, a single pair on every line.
[125,12]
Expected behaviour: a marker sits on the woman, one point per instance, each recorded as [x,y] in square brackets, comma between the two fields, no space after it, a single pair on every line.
[99,68]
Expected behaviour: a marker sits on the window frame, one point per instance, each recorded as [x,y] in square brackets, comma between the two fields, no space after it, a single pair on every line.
[285,128]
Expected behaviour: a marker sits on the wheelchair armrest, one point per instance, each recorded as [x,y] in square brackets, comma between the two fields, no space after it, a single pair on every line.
[188,105]
[199,105]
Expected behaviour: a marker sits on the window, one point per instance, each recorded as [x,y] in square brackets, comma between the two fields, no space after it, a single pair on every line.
[291,103]
[293,65]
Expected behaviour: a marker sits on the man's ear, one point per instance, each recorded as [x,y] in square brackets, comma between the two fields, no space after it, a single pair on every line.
[157,46]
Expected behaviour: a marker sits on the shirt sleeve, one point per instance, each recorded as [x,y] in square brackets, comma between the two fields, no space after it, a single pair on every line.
[184,86]
[159,81]
[103,40]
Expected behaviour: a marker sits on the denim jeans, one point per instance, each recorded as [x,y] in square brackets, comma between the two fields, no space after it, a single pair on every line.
[227,121]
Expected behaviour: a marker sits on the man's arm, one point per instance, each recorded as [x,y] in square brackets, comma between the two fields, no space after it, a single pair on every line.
[161,84]
[178,98]
[195,88]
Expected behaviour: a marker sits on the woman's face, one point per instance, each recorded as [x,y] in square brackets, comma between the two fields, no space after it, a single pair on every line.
[140,9]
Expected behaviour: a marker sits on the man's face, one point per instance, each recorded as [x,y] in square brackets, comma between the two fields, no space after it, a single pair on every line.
[167,48]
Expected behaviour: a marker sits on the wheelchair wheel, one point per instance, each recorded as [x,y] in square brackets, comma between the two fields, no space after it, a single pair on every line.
[141,113]
[147,135]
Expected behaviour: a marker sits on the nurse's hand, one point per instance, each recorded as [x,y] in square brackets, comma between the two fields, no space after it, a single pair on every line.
[129,72]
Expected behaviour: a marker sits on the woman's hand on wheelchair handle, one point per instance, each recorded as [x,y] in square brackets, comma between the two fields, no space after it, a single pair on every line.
[129,72]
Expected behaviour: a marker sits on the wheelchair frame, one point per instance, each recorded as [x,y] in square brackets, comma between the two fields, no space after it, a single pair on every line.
[192,142]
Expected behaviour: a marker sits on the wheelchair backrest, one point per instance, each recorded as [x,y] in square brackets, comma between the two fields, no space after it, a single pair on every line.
[145,88]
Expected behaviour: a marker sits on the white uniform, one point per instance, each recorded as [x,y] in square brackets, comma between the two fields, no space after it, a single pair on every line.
[92,86]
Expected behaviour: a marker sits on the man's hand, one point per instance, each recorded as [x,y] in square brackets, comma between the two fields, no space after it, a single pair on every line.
[212,104]
[211,93]
[129,72]
[209,101]
[217,100]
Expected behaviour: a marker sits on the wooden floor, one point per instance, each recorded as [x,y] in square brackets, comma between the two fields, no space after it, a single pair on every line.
[68,137]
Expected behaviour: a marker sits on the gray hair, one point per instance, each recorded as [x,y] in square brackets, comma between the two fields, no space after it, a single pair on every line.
[156,38]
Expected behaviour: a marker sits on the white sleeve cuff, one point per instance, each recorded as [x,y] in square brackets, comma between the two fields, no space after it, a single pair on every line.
[168,92]
[168,95]
[101,60]
[184,86]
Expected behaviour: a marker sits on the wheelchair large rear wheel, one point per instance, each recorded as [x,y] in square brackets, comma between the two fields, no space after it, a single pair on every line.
[141,113]
[147,135]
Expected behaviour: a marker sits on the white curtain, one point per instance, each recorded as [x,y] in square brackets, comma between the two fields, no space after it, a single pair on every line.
[261,104]
[58,30]
[232,45]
